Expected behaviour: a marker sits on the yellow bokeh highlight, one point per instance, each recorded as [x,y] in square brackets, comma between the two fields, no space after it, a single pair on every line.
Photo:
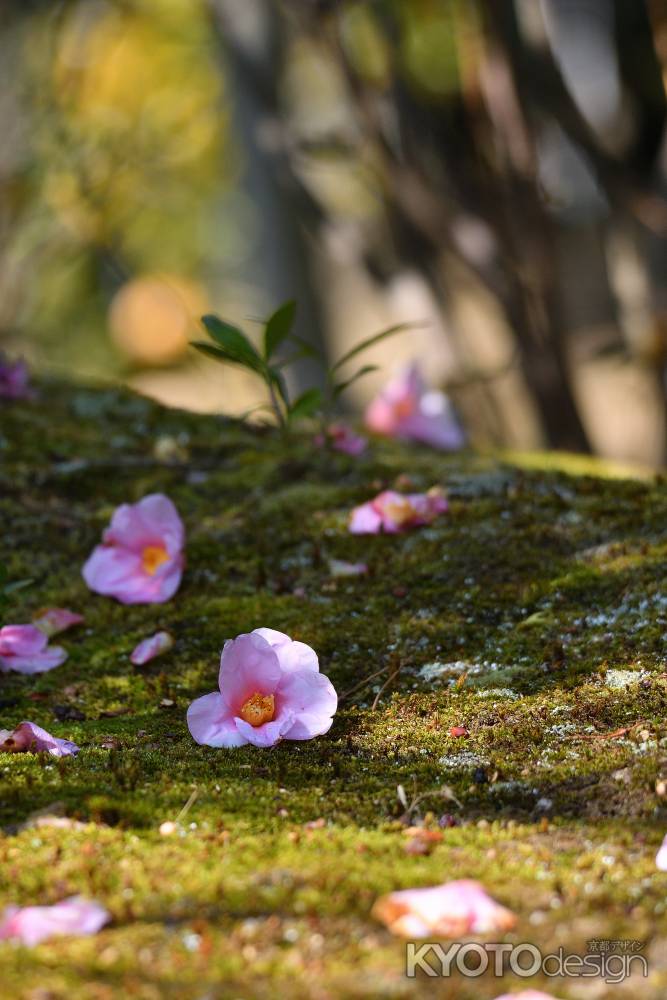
[152,318]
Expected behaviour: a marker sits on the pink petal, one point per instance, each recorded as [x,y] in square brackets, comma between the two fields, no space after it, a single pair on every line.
[248,665]
[398,399]
[21,640]
[153,520]
[73,916]
[427,506]
[365,520]
[52,657]
[441,432]
[396,511]
[28,737]
[149,648]
[52,621]
[24,648]
[661,857]
[266,735]
[160,515]
[338,567]
[450,910]
[345,440]
[211,722]
[292,654]
[312,701]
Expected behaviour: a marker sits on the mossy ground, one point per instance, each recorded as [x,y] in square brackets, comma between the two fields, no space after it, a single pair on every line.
[536,584]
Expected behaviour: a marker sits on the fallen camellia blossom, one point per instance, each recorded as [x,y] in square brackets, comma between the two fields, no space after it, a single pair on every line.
[33,924]
[149,648]
[340,437]
[26,649]
[270,689]
[140,560]
[392,512]
[30,738]
[449,911]
[53,621]
[14,379]
[406,409]
[661,857]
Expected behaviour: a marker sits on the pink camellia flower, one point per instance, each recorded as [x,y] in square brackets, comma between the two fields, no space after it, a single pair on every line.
[73,916]
[140,560]
[393,512]
[270,689]
[342,438]
[30,738]
[14,379]
[406,409]
[661,857]
[26,649]
[53,621]
[149,648]
[449,911]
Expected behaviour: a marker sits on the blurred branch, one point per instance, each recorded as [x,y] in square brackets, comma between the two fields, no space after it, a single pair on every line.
[540,82]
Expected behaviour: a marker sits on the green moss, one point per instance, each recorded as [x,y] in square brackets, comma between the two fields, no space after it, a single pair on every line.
[504,617]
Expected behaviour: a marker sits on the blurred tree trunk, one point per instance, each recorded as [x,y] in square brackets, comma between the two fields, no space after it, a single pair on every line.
[250,43]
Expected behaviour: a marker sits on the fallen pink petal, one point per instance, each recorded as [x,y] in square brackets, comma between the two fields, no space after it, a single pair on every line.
[14,379]
[75,917]
[53,621]
[449,911]
[270,689]
[392,512]
[31,738]
[25,649]
[141,558]
[342,438]
[338,567]
[406,409]
[661,857]
[149,648]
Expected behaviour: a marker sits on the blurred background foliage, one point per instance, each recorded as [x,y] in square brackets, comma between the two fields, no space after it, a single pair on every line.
[497,168]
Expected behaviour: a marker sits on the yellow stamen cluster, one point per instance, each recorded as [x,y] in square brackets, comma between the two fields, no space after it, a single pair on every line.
[401,512]
[258,709]
[152,558]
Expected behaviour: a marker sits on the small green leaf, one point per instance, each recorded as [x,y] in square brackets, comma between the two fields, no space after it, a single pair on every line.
[342,386]
[17,585]
[537,618]
[306,404]
[375,339]
[234,341]
[278,327]
[218,353]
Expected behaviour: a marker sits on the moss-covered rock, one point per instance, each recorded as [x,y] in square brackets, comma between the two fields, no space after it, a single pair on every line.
[534,615]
